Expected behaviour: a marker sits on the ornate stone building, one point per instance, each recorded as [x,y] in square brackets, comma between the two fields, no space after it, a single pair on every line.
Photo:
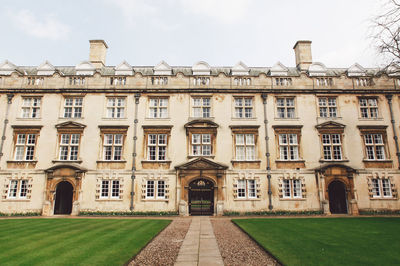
[198,140]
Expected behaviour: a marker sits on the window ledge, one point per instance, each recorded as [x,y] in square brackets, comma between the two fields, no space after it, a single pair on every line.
[243,118]
[158,119]
[244,161]
[330,118]
[378,161]
[334,161]
[156,200]
[111,161]
[290,161]
[149,161]
[21,162]
[71,118]
[382,198]
[286,118]
[66,161]
[203,156]
[370,119]
[110,200]
[29,119]
[201,118]
[248,199]
[292,199]
[16,200]
[115,119]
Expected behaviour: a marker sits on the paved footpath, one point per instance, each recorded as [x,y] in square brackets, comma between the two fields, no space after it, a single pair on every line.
[199,247]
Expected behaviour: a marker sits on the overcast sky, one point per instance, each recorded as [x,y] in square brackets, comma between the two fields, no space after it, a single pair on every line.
[182,32]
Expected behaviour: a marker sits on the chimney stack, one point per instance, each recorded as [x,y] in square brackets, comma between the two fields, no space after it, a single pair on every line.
[302,50]
[97,55]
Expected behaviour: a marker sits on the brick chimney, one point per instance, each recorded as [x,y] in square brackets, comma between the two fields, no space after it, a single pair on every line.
[302,50]
[98,51]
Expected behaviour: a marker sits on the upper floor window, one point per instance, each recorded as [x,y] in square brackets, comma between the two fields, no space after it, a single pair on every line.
[327,107]
[374,146]
[69,147]
[118,81]
[115,107]
[201,145]
[110,189]
[112,147]
[368,107]
[201,107]
[245,147]
[288,147]
[363,82]
[159,80]
[25,147]
[35,80]
[158,107]
[156,147]
[285,107]
[246,188]
[242,81]
[283,81]
[73,107]
[324,82]
[201,81]
[18,188]
[31,107]
[243,107]
[332,146]
[291,188]
[77,81]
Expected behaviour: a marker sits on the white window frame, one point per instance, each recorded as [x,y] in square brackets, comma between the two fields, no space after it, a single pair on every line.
[292,189]
[369,108]
[157,143]
[286,107]
[201,141]
[374,146]
[115,107]
[330,146]
[113,146]
[244,107]
[201,107]
[288,146]
[73,143]
[73,107]
[378,188]
[23,143]
[18,189]
[31,107]
[245,147]
[110,189]
[158,188]
[158,107]
[246,188]
[327,107]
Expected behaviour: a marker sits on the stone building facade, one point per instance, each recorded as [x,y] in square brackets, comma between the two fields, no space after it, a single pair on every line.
[200,139]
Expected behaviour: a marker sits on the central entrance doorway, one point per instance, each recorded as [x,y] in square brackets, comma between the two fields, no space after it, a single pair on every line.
[63,204]
[337,197]
[201,197]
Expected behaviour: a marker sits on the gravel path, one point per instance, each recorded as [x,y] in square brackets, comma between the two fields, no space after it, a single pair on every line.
[236,247]
[164,249]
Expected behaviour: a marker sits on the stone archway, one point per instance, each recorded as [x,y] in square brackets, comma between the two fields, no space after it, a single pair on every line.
[57,174]
[63,198]
[337,197]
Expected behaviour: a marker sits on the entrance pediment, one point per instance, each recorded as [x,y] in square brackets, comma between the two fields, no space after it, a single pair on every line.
[201,164]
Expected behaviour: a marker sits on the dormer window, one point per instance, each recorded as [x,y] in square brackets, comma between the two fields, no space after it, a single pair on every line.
[118,81]
[242,81]
[324,82]
[78,81]
[201,81]
[159,80]
[283,81]
[35,81]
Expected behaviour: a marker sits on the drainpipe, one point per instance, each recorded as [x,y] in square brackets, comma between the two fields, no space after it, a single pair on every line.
[137,96]
[264,97]
[3,137]
[389,98]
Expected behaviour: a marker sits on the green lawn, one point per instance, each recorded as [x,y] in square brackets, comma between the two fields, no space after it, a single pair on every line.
[74,241]
[328,241]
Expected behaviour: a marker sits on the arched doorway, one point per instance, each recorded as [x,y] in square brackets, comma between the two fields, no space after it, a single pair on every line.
[337,197]
[63,202]
[201,197]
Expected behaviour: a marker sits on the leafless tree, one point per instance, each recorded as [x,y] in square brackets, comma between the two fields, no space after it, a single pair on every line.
[386,35]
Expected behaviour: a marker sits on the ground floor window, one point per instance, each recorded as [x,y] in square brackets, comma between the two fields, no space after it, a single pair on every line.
[381,188]
[110,189]
[246,189]
[155,189]
[18,189]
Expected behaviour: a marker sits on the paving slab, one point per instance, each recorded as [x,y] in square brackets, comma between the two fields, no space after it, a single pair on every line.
[199,247]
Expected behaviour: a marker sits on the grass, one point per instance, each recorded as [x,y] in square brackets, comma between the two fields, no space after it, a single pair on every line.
[328,241]
[74,241]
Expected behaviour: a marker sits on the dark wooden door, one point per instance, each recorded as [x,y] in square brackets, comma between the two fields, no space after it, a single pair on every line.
[337,197]
[63,204]
[201,197]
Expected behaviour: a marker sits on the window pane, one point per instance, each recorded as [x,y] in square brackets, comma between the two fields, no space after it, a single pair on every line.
[239,139]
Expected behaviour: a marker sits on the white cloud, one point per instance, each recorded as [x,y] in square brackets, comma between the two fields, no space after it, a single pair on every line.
[133,9]
[224,11]
[48,28]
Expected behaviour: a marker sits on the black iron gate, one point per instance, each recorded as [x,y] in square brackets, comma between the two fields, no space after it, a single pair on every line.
[201,197]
